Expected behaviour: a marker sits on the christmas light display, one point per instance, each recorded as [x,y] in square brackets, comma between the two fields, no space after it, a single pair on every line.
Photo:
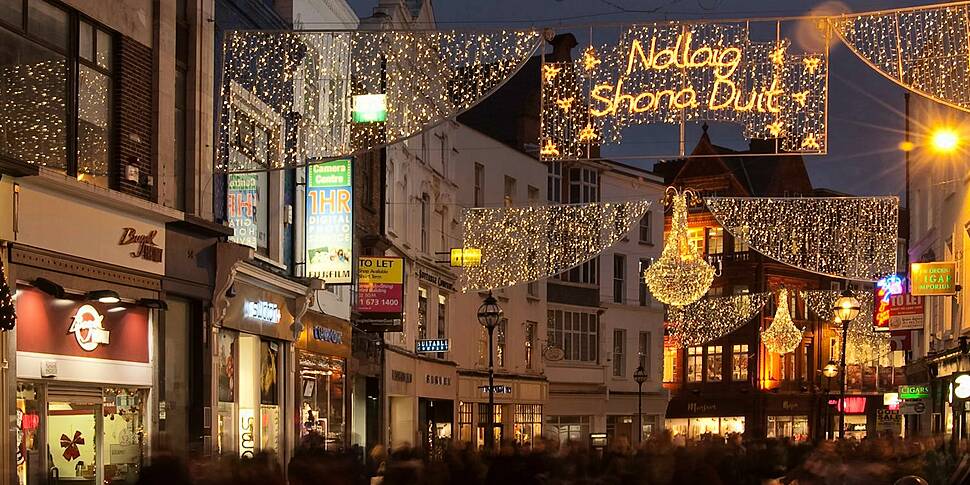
[523,244]
[923,49]
[843,237]
[8,315]
[782,336]
[711,318]
[681,71]
[680,276]
[864,343]
[403,83]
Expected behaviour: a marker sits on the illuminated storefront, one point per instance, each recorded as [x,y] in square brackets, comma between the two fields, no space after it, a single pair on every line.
[518,407]
[253,347]
[421,395]
[322,351]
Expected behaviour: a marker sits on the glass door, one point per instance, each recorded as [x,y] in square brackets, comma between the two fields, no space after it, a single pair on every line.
[72,442]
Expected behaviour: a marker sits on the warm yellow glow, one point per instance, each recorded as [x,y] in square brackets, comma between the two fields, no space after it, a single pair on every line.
[907,146]
[944,140]
[680,277]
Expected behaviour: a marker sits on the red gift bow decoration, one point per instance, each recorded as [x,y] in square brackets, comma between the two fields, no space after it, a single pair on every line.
[70,446]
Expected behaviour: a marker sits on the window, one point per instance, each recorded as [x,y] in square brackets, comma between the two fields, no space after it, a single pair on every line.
[576,333]
[465,421]
[695,364]
[527,422]
[643,351]
[619,277]
[583,185]
[501,332]
[646,228]
[715,240]
[532,289]
[642,283]
[425,221]
[479,185]
[714,364]
[568,428]
[740,245]
[442,320]
[530,341]
[443,144]
[554,181]
[509,191]
[619,352]
[585,273]
[422,313]
[43,76]
[739,363]
[670,363]
[533,194]
[695,239]
[182,28]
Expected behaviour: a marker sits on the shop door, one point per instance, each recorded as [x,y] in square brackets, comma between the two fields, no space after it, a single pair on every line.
[73,447]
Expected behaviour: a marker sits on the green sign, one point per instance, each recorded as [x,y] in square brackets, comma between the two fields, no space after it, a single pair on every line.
[929,279]
[370,108]
[914,392]
[329,222]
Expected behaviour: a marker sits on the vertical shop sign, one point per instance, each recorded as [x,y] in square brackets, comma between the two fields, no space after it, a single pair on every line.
[242,209]
[329,222]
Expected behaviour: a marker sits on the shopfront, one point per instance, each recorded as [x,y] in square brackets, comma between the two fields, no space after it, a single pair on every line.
[694,418]
[421,395]
[322,351]
[84,384]
[254,345]
[788,417]
[518,413]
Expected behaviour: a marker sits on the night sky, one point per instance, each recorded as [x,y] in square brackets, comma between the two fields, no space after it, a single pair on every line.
[865,109]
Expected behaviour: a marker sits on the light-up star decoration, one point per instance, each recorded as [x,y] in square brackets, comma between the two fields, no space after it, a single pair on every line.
[667,72]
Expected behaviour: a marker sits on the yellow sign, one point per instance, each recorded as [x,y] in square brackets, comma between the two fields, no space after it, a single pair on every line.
[933,279]
[380,270]
[465,257]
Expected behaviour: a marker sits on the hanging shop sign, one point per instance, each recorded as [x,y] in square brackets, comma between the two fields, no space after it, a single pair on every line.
[245,207]
[380,285]
[886,289]
[906,312]
[80,329]
[259,311]
[329,221]
[431,345]
[933,279]
[673,71]
[464,257]
[959,387]
[369,108]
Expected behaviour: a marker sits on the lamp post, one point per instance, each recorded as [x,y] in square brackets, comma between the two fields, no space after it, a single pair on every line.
[640,375]
[829,371]
[489,315]
[846,309]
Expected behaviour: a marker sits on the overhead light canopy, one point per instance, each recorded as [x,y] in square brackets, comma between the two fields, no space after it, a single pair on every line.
[49,287]
[104,296]
[153,303]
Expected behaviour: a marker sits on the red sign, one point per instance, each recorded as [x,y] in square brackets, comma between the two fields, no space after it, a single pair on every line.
[49,326]
[880,314]
[853,405]
[380,285]
[906,312]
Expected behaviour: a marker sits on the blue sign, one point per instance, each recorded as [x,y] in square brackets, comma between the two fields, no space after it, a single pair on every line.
[324,334]
[891,285]
[431,345]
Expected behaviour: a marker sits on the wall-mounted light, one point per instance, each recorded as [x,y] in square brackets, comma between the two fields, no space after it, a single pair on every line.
[153,303]
[104,296]
[116,309]
[49,287]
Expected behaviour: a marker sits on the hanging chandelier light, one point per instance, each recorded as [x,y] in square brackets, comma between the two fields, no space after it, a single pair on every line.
[680,277]
[782,336]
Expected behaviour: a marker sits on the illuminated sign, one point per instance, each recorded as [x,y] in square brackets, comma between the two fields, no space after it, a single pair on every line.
[245,207]
[247,432]
[431,345]
[668,72]
[853,405]
[932,279]
[264,311]
[497,389]
[146,249]
[369,108]
[891,400]
[886,288]
[465,257]
[325,334]
[329,222]
[890,285]
[88,328]
[962,388]
[914,392]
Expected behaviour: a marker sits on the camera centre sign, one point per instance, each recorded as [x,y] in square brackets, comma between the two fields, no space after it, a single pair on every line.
[673,72]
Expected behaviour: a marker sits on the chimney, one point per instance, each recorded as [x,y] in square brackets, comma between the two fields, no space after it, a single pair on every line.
[562,46]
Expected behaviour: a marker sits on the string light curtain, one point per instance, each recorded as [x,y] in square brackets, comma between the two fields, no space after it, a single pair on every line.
[843,237]
[342,93]
[782,336]
[524,244]
[712,318]
[680,276]
[923,49]
[671,72]
[864,343]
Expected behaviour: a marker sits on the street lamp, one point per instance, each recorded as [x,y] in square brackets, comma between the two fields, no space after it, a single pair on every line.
[489,315]
[944,140]
[846,309]
[829,371]
[640,375]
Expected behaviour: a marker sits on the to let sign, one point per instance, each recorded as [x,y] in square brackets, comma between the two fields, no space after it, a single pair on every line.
[380,285]
[906,312]
[933,279]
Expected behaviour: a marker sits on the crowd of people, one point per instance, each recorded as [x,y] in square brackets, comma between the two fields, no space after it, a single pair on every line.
[709,460]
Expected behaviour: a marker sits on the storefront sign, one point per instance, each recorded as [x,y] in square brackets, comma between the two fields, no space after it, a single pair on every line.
[906,312]
[431,345]
[497,389]
[380,285]
[146,248]
[914,392]
[437,380]
[891,400]
[244,207]
[247,433]
[328,335]
[696,407]
[401,376]
[80,329]
[329,222]
[465,257]
[435,280]
[933,279]
[263,311]
[88,328]
[325,335]
[913,406]
[888,420]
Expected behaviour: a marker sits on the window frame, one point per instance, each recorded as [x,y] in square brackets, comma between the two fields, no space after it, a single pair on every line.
[714,363]
[565,329]
[739,355]
[646,228]
[619,277]
[619,352]
[695,364]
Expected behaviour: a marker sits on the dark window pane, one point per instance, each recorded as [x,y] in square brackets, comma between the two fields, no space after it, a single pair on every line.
[12,12]
[47,22]
[85,41]
[33,112]
[104,50]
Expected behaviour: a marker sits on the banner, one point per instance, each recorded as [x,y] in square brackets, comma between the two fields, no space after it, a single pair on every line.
[380,285]
[329,222]
[245,207]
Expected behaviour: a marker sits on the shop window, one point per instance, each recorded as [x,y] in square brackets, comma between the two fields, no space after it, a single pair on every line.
[528,422]
[576,333]
[483,423]
[465,421]
[30,410]
[568,428]
[269,397]
[620,428]
[793,427]
[501,333]
[695,428]
[715,240]
[670,363]
[321,394]
[422,313]
[619,352]
[695,364]
[227,392]
[739,362]
[714,363]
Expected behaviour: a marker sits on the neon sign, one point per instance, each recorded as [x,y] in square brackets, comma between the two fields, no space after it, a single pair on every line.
[673,72]
[890,285]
